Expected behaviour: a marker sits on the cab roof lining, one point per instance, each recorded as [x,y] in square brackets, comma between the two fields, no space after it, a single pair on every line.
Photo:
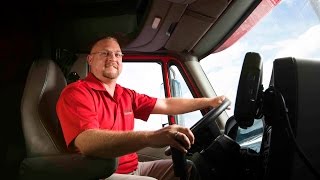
[194,26]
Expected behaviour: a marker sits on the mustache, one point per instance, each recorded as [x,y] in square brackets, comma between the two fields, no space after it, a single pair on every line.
[114,64]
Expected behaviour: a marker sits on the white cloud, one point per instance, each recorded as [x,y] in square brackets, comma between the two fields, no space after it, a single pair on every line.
[306,45]
[288,2]
[227,57]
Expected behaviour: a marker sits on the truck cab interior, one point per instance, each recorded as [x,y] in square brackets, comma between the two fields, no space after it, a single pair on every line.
[44,46]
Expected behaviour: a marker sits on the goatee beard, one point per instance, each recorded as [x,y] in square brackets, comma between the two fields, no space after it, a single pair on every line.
[111,75]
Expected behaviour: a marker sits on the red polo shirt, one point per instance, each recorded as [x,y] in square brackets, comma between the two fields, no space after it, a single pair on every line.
[86,104]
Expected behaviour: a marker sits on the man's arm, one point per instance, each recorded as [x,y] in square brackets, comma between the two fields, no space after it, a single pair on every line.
[174,106]
[104,143]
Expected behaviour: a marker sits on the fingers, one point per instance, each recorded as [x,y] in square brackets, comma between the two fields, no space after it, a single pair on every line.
[175,136]
[181,143]
[187,135]
[179,146]
[221,99]
[183,139]
[218,101]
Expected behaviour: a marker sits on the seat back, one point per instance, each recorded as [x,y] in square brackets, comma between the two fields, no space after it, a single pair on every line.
[80,66]
[46,154]
[41,128]
[297,80]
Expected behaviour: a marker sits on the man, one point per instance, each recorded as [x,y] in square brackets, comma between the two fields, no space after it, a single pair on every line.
[97,117]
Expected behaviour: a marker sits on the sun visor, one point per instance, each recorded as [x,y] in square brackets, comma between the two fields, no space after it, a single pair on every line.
[197,19]
[154,34]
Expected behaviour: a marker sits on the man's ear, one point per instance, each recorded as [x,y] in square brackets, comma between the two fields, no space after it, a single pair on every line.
[89,59]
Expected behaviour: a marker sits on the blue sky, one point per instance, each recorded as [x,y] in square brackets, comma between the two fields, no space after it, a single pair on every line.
[290,29]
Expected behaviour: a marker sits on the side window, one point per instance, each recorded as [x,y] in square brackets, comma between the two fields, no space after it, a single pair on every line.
[179,88]
[136,76]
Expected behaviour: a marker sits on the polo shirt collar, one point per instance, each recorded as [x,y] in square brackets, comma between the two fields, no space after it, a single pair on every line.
[96,84]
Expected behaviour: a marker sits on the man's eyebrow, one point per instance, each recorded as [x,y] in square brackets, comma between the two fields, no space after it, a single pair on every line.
[111,50]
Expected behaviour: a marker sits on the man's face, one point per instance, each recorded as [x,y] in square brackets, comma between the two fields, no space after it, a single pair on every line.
[105,60]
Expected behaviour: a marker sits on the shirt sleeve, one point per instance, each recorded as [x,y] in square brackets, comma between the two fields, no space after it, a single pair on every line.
[76,112]
[142,105]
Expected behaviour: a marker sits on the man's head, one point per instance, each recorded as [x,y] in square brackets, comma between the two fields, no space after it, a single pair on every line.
[105,59]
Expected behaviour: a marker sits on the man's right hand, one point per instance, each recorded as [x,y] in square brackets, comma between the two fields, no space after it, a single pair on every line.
[175,135]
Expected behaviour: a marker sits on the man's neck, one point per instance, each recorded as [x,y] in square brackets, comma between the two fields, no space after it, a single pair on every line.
[110,86]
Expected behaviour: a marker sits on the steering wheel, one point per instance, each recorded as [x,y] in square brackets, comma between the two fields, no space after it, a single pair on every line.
[201,139]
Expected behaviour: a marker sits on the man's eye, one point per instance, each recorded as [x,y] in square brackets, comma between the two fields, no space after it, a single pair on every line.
[118,55]
[104,54]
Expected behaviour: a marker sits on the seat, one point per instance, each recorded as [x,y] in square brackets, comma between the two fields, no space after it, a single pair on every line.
[46,154]
[291,104]
[80,66]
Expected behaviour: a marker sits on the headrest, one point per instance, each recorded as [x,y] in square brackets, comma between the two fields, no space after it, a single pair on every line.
[80,66]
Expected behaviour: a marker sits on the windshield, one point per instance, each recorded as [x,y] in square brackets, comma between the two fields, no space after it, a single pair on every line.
[291,29]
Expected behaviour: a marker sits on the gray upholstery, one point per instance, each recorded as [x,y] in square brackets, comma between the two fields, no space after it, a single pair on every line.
[80,66]
[40,124]
[46,154]
[297,80]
